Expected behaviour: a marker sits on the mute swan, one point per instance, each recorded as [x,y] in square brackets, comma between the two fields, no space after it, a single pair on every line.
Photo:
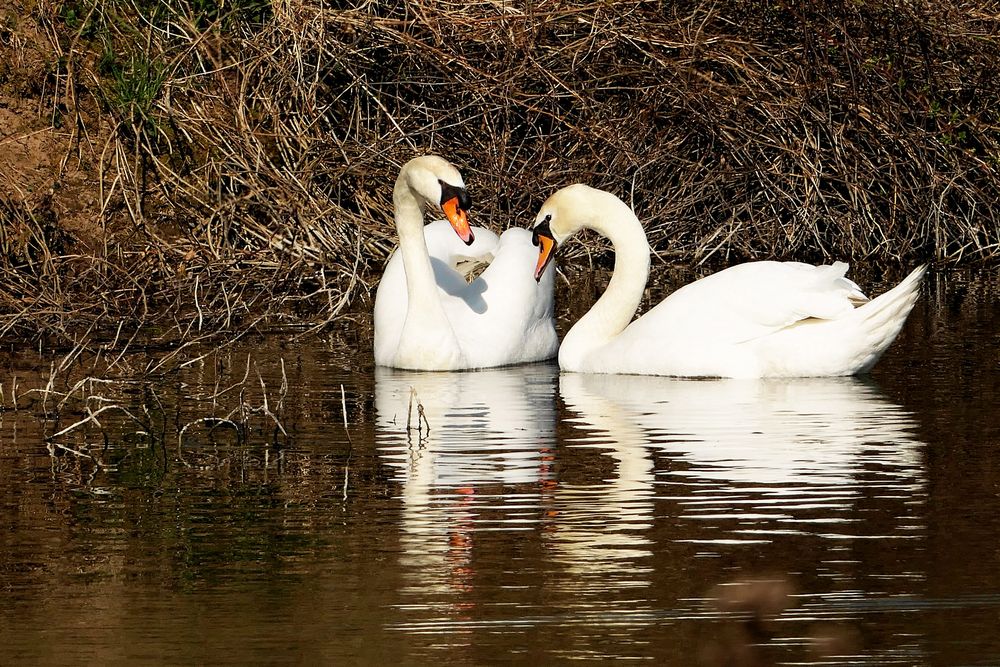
[759,319]
[427,317]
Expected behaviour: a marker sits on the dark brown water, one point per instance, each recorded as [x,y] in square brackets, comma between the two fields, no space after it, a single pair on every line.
[542,518]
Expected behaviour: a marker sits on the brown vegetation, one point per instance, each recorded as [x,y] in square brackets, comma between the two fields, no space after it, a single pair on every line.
[193,167]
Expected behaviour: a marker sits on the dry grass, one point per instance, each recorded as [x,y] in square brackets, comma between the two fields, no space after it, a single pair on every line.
[243,153]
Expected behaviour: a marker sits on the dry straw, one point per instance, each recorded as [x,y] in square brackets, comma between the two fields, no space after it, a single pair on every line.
[246,150]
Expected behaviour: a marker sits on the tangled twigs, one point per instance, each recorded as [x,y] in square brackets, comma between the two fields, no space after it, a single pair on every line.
[244,155]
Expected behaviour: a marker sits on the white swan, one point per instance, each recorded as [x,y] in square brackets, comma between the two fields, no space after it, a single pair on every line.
[759,319]
[427,316]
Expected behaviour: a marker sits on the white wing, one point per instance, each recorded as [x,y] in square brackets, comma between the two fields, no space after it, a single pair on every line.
[505,316]
[750,300]
[502,317]
[447,252]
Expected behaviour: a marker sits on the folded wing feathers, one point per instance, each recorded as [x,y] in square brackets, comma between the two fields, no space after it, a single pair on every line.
[830,295]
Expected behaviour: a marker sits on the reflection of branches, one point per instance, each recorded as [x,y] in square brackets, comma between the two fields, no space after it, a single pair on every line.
[350,444]
[421,419]
[71,451]
[92,418]
[123,406]
[238,419]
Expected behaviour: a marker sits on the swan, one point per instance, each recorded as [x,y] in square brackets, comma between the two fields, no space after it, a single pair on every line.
[427,315]
[752,320]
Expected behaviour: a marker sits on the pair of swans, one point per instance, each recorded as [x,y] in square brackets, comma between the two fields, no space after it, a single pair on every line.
[758,319]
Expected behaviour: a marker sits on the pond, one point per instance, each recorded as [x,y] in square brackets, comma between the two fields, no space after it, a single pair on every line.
[280,500]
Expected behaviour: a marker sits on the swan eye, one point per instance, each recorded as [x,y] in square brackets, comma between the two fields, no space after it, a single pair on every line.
[449,192]
[541,229]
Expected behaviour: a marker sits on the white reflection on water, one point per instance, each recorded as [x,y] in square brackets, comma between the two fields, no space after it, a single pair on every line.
[599,529]
[738,462]
[482,427]
[478,464]
[786,451]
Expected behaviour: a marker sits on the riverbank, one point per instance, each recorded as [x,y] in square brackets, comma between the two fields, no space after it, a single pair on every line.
[207,168]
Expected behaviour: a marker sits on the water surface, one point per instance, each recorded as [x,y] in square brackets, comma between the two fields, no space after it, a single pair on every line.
[510,515]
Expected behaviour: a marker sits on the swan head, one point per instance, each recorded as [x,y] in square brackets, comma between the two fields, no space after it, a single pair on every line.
[562,215]
[438,183]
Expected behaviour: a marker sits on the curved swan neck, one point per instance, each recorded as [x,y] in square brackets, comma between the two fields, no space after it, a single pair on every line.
[428,340]
[409,218]
[609,316]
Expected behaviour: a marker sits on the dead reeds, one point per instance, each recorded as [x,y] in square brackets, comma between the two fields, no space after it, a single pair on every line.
[243,156]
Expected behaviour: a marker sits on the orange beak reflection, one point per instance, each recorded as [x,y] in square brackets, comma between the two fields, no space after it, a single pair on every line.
[459,220]
[546,249]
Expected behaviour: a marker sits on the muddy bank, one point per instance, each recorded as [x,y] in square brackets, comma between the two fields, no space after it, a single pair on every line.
[199,167]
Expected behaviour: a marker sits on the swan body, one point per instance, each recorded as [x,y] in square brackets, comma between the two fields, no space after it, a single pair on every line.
[428,316]
[758,319]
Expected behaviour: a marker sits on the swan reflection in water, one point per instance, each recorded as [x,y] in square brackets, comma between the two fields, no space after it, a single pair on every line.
[478,427]
[477,460]
[738,463]
[762,457]
[599,528]
[754,449]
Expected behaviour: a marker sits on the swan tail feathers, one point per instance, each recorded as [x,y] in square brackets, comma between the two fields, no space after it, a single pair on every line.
[882,318]
[838,271]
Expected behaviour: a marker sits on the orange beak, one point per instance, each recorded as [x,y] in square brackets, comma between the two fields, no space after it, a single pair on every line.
[546,250]
[459,220]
